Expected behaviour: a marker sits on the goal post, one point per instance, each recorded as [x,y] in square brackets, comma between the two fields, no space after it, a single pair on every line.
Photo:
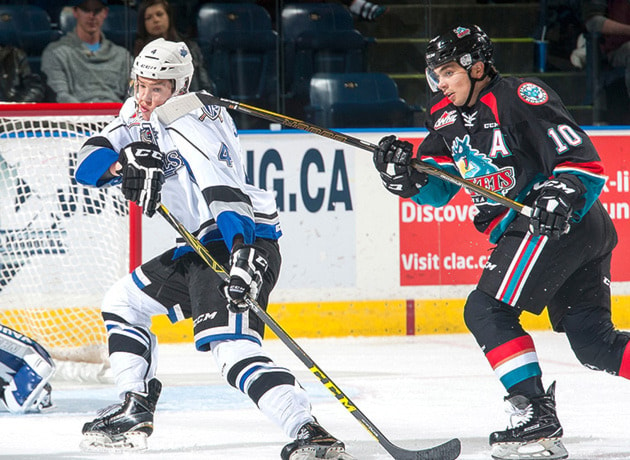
[62,245]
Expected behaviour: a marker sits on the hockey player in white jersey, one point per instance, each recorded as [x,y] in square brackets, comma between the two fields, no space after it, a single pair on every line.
[25,371]
[194,166]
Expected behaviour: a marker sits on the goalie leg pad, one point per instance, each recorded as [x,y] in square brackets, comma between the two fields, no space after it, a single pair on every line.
[25,369]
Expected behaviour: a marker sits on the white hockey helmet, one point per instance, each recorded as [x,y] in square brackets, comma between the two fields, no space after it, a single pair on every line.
[165,60]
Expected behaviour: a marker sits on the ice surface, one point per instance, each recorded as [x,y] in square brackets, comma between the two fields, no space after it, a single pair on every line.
[418,391]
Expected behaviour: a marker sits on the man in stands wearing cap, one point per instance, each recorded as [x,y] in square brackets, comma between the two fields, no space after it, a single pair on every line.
[83,66]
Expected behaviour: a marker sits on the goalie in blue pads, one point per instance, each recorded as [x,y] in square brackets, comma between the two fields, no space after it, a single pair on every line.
[25,371]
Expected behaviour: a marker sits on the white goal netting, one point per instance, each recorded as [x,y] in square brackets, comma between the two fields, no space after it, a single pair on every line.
[61,245]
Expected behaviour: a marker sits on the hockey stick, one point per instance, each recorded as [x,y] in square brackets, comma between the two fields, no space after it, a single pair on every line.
[182,105]
[450,450]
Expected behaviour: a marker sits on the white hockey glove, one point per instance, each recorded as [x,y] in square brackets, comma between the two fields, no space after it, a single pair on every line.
[392,159]
[554,206]
[25,369]
[142,175]
[248,264]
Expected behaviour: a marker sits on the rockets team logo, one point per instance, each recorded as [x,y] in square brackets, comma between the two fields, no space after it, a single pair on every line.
[461,32]
[532,94]
[477,167]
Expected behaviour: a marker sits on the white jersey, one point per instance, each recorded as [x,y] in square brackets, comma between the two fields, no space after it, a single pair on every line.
[205,182]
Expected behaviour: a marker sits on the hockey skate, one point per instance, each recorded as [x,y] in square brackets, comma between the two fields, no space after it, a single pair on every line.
[313,442]
[125,426]
[535,430]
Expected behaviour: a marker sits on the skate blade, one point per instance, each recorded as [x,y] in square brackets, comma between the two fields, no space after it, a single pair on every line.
[100,442]
[317,453]
[547,449]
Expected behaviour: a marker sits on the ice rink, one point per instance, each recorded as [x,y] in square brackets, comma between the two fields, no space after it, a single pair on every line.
[418,391]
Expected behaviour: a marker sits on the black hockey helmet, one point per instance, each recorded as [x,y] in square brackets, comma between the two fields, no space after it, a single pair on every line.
[464,44]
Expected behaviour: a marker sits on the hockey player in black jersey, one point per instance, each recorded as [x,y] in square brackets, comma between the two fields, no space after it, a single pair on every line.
[194,166]
[515,137]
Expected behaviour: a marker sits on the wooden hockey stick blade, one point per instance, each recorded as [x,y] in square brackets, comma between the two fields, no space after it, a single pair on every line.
[450,450]
[198,100]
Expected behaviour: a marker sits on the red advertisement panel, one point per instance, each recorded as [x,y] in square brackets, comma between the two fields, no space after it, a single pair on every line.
[440,246]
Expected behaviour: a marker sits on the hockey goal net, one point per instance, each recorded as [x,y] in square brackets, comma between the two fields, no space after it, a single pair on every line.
[62,245]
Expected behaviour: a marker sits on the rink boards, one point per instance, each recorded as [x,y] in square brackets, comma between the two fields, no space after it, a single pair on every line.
[358,261]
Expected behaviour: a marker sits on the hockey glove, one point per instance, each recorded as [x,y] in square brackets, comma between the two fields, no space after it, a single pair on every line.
[554,206]
[392,159]
[142,175]
[248,264]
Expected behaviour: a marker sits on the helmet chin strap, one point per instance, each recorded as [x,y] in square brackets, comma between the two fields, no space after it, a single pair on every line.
[473,82]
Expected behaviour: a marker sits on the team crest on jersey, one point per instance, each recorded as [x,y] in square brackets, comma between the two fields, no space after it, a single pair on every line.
[479,168]
[532,94]
[447,118]
[210,111]
[147,134]
[172,162]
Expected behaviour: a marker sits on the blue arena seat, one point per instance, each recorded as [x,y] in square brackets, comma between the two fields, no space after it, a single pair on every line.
[52,7]
[27,27]
[365,99]
[121,25]
[240,49]
[319,37]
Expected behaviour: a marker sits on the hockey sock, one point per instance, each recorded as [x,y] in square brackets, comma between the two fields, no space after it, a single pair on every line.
[515,361]
[288,407]
[530,387]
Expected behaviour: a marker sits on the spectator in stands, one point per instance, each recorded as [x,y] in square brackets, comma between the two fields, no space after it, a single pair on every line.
[83,65]
[611,20]
[155,20]
[17,82]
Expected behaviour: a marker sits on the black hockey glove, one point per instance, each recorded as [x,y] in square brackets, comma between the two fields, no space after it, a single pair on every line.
[392,159]
[554,206]
[142,175]
[248,264]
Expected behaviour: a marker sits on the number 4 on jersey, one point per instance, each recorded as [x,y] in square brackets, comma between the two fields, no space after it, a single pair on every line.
[224,155]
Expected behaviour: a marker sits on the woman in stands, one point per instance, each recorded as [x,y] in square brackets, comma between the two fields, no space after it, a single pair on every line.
[156,20]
